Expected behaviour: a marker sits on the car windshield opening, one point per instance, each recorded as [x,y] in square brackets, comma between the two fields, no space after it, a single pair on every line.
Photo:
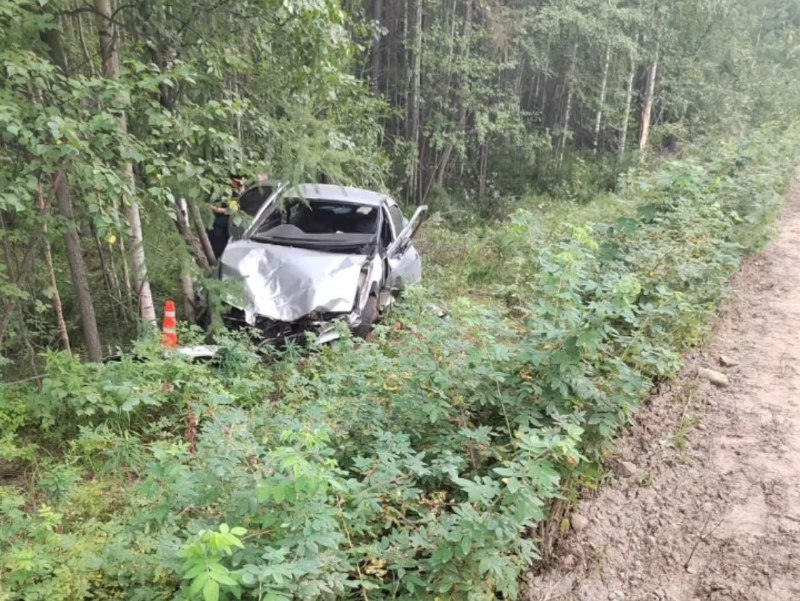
[250,202]
[319,223]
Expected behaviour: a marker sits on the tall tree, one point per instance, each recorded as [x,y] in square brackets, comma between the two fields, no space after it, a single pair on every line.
[63,196]
[460,92]
[413,130]
[44,209]
[569,84]
[377,16]
[109,51]
[626,115]
[602,100]
[649,101]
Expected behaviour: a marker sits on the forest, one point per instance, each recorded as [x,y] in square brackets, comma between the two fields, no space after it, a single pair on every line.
[596,171]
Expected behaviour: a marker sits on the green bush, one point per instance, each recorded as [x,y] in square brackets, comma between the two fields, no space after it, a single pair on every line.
[415,467]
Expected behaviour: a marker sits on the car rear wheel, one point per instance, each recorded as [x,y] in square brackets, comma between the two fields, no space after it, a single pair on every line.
[369,315]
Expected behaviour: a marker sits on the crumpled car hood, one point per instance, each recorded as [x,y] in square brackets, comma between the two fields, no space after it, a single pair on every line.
[286,283]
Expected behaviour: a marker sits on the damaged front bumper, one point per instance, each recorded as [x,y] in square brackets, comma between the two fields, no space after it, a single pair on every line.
[272,331]
[326,327]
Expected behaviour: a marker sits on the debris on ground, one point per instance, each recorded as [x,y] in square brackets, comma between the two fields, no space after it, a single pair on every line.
[716,378]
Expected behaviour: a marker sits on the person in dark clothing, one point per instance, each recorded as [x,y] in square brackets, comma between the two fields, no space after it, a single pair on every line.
[219,233]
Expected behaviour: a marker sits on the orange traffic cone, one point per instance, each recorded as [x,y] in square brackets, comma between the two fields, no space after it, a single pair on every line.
[170,329]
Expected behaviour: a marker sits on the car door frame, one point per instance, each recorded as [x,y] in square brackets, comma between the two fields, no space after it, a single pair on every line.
[401,248]
[257,218]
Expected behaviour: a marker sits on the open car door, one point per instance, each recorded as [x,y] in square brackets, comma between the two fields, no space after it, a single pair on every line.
[405,266]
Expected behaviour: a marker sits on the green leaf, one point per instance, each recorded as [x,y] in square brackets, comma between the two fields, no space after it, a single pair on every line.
[220,574]
[195,571]
[198,584]
[211,591]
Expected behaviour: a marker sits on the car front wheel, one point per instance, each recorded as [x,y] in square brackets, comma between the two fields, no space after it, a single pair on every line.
[369,315]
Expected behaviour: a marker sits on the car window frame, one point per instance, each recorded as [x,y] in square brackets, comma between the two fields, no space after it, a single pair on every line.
[396,228]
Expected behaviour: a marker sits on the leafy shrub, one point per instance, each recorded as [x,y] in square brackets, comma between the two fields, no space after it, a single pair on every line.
[412,468]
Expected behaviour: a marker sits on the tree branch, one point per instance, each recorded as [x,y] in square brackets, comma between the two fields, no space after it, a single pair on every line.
[91,9]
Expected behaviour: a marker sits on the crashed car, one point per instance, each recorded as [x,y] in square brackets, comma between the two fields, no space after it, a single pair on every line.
[316,255]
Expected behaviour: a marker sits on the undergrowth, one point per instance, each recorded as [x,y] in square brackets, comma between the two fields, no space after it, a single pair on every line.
[415,467]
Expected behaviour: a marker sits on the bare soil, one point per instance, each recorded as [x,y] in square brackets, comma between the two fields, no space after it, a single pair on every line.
[706,505]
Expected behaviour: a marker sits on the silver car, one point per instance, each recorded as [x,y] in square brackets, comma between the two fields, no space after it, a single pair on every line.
[315,255]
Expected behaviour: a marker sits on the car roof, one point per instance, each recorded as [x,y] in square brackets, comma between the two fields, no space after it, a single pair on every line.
[338,193]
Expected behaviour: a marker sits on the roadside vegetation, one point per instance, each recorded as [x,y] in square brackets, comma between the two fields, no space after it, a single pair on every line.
[429,463]
[416,466]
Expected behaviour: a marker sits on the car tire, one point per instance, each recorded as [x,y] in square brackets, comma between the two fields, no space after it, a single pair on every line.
[369,315]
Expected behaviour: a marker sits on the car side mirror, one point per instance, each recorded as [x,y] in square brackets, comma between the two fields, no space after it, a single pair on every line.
[404,237]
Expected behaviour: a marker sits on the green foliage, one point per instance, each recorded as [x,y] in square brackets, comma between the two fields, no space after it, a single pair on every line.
[414,467]
[272,95]
[417,466]
[203,565]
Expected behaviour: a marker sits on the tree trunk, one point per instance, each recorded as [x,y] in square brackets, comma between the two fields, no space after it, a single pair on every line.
[377,15]
[110,55]
[44,209]
[78,268]
[26,340]
[123,299]
[483,161]
[623,138]
[84,47]
[649,100]
[121,307]
[757,45]
[57,306]
[545,77]
[18,276]
[187,287]
[63,195]
[103,260]
[413,133]
[126,275]
[185,228]
[599,117]
[202,235]
[19,279]
[568,108]
[462,117]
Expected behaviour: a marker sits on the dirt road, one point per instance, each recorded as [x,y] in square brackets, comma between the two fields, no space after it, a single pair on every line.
[706,505]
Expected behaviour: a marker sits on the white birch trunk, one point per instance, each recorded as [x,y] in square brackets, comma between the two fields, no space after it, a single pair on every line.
[110,56]
[649,100]
[623,138]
